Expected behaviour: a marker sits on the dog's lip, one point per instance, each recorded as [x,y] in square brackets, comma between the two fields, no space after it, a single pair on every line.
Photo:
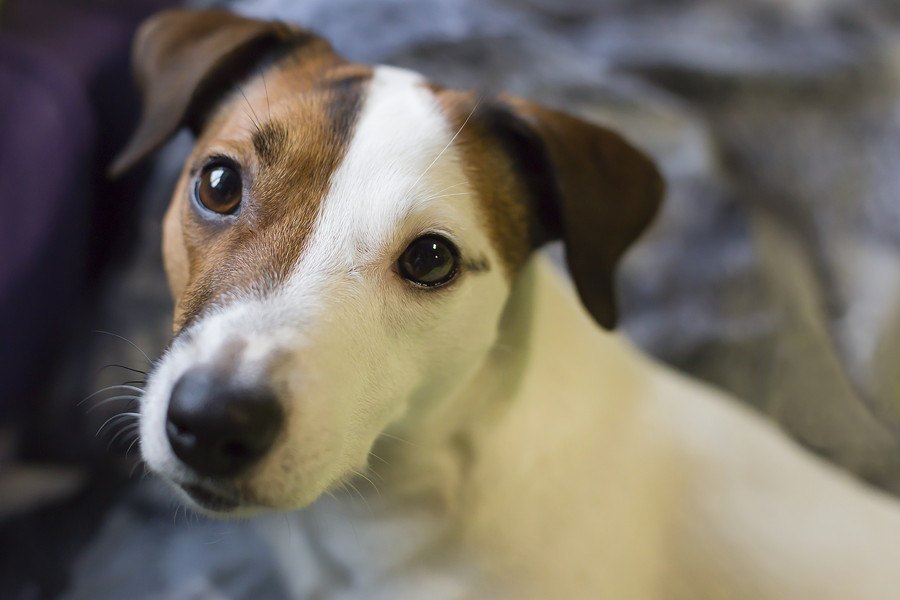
[211,498]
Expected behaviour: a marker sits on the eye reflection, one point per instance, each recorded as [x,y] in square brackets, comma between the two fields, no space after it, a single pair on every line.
[219,188]
[430,261]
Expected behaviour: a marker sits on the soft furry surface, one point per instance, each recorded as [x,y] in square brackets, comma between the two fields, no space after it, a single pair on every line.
[773,271]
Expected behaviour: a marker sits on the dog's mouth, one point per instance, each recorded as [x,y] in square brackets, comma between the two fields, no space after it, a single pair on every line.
[211,499]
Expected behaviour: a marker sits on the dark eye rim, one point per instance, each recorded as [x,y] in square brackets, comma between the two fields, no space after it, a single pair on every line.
[446,280]
[210,163]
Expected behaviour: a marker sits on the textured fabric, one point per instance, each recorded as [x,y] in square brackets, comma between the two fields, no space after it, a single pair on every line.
[47,132]
[63,111]
[180,557]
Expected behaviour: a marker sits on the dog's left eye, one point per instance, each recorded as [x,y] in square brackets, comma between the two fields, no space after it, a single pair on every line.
[429,261]
[219,188]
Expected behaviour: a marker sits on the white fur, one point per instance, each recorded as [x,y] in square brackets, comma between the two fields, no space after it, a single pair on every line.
[597,474]
[521,452]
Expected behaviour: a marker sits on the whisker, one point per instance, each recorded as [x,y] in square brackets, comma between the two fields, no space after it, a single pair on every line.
[124,339]
[444,196]
[223,535]
[373,455]
[343,487]
[132,369]
[113,399]
[377,475]
[112,387]
[255,119]
[399,439]
[137,464]
[127,428]
[266,88]
[450,187]
[447,147]
[372,483]
[114,417]
[358,493]
[137,439]
[293,538]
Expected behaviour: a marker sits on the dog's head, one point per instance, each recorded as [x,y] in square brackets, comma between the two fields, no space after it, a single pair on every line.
[341,246]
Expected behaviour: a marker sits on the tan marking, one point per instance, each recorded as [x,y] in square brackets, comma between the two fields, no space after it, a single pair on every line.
[289,129]
[268,140]
[503,201]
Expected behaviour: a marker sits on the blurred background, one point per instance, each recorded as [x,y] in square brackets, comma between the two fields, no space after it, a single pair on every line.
[773,270]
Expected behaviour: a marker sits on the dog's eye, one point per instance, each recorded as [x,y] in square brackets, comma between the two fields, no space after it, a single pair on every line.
[430,261]
[219,188]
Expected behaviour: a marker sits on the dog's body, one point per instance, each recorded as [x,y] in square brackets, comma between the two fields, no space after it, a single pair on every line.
[600,474]
[358,303]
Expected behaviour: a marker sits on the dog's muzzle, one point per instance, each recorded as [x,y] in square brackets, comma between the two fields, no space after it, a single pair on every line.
[220,429]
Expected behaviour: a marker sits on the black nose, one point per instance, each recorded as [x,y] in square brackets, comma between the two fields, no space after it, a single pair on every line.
[218,429]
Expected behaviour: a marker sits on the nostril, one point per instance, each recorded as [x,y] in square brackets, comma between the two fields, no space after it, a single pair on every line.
[183,434]
[238,451]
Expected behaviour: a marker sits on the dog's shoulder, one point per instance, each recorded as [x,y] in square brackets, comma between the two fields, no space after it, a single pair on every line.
[661,485]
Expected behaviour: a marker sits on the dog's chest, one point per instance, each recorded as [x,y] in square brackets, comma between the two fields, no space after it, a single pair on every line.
[343,548]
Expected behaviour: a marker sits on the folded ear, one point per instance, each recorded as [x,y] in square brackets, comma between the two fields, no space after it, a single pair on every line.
[594,190]
[184,60]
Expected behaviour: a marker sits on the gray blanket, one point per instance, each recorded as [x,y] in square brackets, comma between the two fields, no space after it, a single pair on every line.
[773,271]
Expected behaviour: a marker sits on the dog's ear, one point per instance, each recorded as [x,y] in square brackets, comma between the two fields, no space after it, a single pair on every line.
[591,188]
[184,60]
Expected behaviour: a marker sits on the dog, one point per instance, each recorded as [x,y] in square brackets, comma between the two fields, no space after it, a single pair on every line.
[365,329]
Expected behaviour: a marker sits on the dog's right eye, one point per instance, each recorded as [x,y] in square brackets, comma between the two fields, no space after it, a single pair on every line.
[219,188]
[429,261]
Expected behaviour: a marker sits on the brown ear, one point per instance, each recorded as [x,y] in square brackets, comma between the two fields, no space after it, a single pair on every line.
[594,190]
[184,60]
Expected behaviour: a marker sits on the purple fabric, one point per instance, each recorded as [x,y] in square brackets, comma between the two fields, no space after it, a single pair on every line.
[66,102]
[47,134]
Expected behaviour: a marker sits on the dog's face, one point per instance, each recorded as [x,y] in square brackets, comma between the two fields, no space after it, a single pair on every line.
[341,245]
[336,254]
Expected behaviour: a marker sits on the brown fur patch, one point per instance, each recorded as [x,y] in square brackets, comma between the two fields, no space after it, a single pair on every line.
[543,175]
[504,201]
[268,140]
[288,129]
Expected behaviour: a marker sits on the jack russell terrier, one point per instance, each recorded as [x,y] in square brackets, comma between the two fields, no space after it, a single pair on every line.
[363,330]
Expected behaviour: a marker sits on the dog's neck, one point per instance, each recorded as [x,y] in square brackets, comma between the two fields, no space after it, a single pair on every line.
[429,450]
[543,322]
[421,478]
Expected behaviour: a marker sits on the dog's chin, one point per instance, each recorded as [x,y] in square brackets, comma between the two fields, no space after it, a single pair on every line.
[231,500]
[217,501]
